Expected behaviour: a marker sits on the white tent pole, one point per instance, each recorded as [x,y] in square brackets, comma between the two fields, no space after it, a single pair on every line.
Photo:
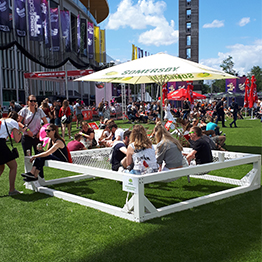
[66,86]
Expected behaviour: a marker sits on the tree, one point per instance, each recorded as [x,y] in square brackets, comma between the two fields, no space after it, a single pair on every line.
[257,72]
[204,87]
[219,86]
[227,66]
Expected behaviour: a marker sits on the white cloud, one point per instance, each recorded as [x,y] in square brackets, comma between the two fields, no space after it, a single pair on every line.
[244,21]
[243,56]
[214,24]
[144,14]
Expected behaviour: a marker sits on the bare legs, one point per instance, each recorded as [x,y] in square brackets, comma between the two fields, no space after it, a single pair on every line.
[12,173]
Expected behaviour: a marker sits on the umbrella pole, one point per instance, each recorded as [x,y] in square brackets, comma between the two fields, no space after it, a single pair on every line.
[161,101]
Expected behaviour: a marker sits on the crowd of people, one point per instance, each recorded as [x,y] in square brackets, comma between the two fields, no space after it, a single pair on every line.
[131,150]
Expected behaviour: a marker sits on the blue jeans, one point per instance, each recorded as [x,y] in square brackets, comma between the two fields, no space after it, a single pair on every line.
[134,172]
[40,162]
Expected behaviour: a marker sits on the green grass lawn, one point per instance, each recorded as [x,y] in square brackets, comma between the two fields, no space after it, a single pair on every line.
[37,227]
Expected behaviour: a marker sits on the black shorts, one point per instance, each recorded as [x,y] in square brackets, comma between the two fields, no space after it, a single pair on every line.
[5,153]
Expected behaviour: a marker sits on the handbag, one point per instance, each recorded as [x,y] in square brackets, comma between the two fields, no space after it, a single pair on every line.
[14,150]
[63,119]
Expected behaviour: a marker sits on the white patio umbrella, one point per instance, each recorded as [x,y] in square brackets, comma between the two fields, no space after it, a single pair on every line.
[160,68]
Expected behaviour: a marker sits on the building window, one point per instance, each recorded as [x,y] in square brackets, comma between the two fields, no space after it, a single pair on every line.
[188,27]
[188,40]
[188,53]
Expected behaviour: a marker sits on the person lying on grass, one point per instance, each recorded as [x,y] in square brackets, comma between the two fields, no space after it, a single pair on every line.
[56,151]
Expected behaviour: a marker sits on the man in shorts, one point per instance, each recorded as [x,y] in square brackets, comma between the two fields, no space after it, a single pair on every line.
[79,116]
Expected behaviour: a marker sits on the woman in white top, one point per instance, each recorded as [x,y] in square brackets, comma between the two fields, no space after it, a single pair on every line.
[168,115]
[31,116]
[6,156]
[140,152]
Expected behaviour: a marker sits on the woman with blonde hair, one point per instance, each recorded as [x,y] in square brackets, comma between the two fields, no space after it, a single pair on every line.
[168,149]
[140,152]
[65,112]
[45,107]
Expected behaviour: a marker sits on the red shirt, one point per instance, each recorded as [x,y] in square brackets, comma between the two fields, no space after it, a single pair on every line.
[75,145]
[66,112]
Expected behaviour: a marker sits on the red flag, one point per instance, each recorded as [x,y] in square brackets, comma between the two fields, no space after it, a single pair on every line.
[252,93]
[247,89]
[190,92]
[164,91]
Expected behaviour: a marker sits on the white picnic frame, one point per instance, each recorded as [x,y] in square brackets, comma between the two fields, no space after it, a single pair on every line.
[139,208]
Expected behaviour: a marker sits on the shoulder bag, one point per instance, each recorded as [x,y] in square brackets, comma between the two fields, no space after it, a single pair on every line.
[14,149]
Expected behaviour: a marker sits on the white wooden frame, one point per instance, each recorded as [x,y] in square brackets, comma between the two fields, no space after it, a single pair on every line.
[139,208]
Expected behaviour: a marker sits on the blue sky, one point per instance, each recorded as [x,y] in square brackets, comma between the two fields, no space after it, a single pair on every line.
[226,27]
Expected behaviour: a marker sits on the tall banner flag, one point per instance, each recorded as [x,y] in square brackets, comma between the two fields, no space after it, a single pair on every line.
[190,92]
[46,23]
[5,23]
[253,98]
[78,34]
[54,20]
[241,84]
[142,52]
[65,27]
[35,20]
[97,43]
[133,52]
[171,86]
[20,18]
[231,85]
[247,90]
[103,46]
[138,52]
[90,40]
[83,37]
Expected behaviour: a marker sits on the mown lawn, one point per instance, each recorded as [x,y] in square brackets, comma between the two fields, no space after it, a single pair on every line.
[36,227]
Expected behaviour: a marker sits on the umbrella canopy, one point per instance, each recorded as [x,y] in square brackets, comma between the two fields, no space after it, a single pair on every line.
[181,94]
[160,68]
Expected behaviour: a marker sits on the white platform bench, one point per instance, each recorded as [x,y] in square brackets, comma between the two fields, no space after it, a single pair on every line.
[94,163]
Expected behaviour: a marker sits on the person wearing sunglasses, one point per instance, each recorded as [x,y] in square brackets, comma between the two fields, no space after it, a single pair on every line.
[31,117]
[56,150]
[201,149]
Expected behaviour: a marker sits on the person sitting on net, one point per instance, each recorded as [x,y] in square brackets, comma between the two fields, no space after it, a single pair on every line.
[117,134]
[56,151]
[119,151]
[76,145]
[168,149]
[201,149]
[140,152]
[88,135]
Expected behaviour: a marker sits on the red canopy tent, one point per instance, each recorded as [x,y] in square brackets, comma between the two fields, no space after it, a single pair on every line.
[181,94]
